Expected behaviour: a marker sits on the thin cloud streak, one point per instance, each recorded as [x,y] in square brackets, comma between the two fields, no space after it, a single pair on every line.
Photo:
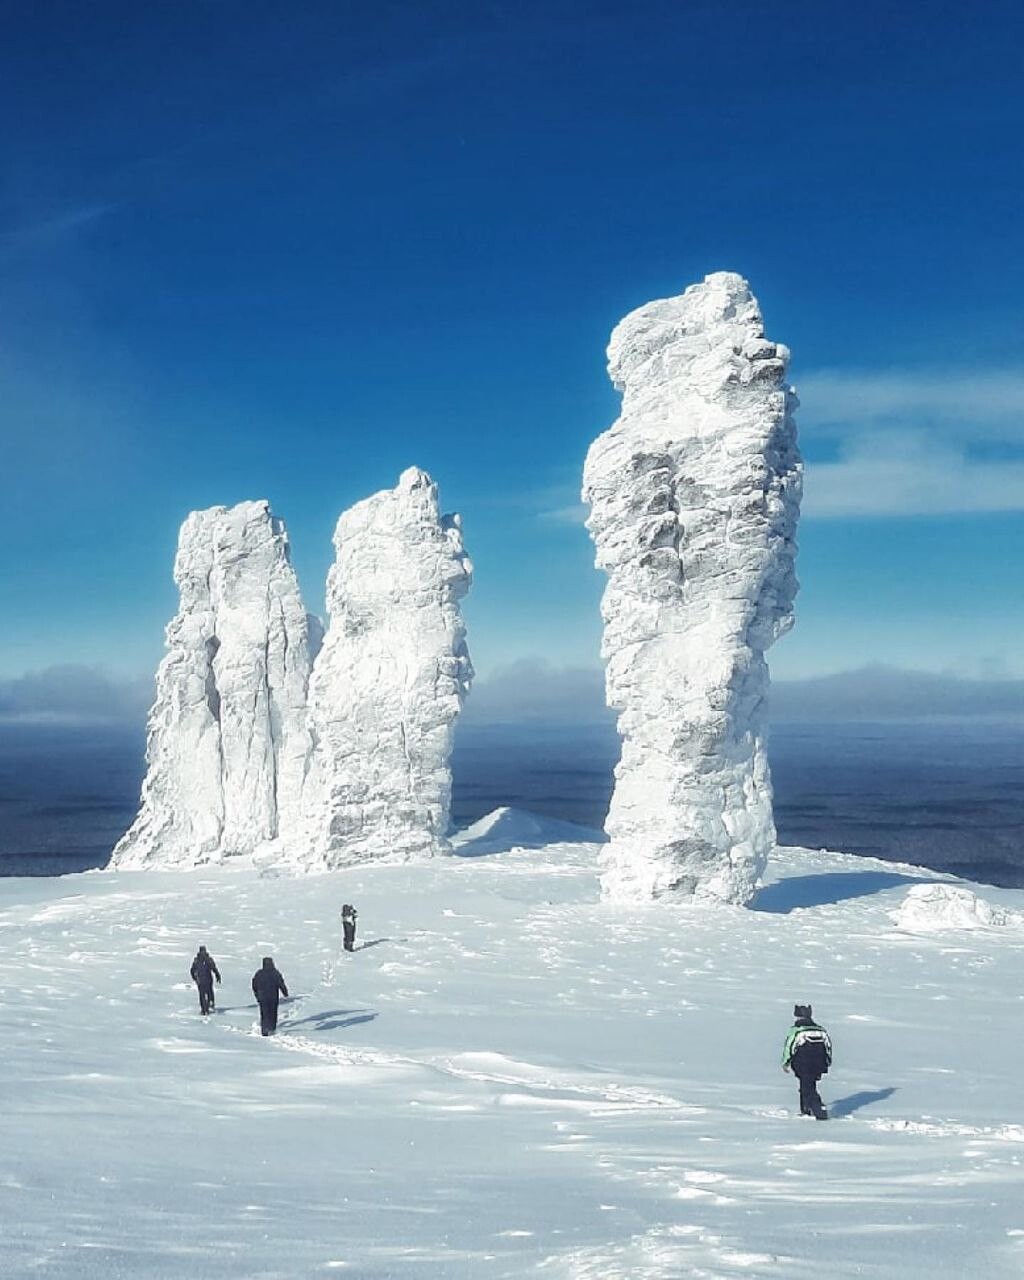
[967,405]
[55,228]
[574,514]
[905,441]
[910,474]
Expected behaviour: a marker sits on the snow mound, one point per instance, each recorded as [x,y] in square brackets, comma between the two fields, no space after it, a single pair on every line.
[506,828]
[930,908]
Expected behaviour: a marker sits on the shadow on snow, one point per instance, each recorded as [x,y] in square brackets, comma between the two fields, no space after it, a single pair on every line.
[827,888]
[331,1019]
[847,1106]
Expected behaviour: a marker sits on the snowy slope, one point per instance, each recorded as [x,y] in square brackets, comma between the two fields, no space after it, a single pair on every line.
[508,1078]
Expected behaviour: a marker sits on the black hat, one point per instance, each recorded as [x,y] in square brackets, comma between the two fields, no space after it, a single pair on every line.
[802,1011]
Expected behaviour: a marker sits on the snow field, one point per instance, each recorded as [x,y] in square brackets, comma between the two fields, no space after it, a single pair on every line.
[508,1077]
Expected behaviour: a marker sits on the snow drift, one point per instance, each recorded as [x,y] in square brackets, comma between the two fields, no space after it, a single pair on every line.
[932,908]
[694,495]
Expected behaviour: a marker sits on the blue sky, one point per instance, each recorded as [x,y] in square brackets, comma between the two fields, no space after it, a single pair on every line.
[280,250]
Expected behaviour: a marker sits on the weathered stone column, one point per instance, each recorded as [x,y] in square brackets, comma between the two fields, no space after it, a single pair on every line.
[389,681]
[694,497]
[227,742]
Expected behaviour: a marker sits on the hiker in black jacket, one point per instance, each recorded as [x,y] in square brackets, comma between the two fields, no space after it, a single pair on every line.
[348,925]
[204,970]
[267,986]
[808,1054]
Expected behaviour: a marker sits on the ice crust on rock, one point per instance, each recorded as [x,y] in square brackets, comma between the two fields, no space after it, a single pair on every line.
[389,681]
[227,743]
[268,737]
[694,496]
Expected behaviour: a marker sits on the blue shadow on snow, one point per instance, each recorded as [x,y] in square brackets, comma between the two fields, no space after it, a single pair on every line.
[331,1019]
[847,1106]
[828,887]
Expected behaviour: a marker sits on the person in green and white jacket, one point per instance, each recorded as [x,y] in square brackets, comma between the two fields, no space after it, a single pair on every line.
[808,1054]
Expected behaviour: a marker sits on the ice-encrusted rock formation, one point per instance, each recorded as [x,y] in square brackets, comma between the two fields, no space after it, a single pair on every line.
[694,496]
[268,737]
[227,740]
[389,681]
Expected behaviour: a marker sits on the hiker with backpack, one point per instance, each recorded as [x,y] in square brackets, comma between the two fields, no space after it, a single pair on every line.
[808,1054]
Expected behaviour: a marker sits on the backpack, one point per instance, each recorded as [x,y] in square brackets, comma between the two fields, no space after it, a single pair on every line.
[813,1048]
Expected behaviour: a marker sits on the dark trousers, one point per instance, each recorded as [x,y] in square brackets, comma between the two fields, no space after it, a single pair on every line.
[268,1018]
[349,927]
[810,1100]
[205,998]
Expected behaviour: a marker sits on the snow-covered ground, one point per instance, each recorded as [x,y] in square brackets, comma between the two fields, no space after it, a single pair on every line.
[508,1077]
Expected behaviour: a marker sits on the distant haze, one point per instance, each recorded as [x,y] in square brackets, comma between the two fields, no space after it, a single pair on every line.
[74,693]
[533,691]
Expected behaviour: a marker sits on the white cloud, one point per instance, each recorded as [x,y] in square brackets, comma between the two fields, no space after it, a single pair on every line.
[981,405]
[908,442]
[910,473]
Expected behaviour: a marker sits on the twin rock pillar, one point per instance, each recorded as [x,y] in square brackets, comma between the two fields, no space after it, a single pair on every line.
[262,740]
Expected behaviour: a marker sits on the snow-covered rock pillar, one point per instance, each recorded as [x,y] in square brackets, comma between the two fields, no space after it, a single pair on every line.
[227,742]
[389,681]
[694,496]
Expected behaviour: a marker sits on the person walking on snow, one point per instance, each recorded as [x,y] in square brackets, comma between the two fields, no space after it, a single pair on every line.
[267,987]
[808,1054]
[204,970]
[348,924]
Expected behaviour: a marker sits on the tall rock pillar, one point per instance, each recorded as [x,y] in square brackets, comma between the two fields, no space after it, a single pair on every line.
[694,496]
[227,742]
[389,681]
